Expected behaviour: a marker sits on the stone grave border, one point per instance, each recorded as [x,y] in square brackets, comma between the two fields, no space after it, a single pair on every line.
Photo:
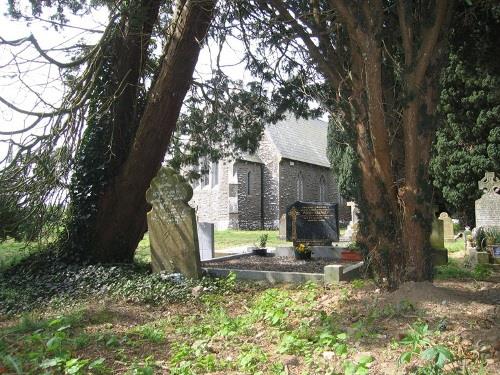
[332,273]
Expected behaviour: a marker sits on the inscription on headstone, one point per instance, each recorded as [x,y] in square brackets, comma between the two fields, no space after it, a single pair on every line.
[488,206]
[313,223]
[172,225]
[447,226]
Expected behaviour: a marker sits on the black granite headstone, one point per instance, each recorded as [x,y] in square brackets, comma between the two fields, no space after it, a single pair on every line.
[314,223]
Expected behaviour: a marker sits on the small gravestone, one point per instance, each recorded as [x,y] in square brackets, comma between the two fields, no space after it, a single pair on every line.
[437,234]
[313,223]
[352,227]
[448,233]
[282,227]
[206,240]
[488,206]
[172,225]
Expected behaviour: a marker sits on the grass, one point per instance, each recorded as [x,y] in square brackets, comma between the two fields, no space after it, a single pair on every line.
[455,246]
[12,252]
[248,330]
[233,238]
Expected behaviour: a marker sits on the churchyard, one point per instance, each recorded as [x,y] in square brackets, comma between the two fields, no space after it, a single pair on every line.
[125,319]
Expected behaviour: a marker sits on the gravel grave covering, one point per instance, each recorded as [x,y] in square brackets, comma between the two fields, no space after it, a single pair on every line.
[273,263]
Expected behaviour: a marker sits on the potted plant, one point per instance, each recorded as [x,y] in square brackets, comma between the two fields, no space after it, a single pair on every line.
[351,253]
[302,251]
[492,238]
[261,247]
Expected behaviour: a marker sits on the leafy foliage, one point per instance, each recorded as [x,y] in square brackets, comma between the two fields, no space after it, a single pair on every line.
[43,279]
[468,142]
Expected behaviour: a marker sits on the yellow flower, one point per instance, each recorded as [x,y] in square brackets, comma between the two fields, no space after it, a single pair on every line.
[302,248]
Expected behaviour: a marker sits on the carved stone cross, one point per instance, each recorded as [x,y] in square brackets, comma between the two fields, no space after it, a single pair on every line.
[489,183]
[293,214]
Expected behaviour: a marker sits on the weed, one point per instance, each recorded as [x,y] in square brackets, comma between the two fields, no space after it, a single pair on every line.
[358,283]
[150,333]
[250,358]
[359,367]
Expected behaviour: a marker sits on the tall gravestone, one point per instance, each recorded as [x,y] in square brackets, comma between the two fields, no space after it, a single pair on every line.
[447,226]
[488,206]
[206,240]
[282,227]
[352,227]
[312,223]
[437,234]
[172,225]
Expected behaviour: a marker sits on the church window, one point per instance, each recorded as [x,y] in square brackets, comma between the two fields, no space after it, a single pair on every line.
[300,187]
[204,173]
[249,179]
[214,171]
[322,189]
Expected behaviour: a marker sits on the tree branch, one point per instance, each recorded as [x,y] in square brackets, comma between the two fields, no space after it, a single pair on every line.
[429,41]
[406,30]
[314,51]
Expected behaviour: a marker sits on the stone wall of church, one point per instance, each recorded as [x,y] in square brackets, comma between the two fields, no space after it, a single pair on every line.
[211,201]
[269,155]
[249,196]
[311,175]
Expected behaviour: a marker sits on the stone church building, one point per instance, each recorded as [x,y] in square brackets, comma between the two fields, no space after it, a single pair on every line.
[253,191]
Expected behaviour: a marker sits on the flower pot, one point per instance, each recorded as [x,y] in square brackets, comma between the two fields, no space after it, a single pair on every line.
[494,253]
[351,255]
[260,252]
[302,256]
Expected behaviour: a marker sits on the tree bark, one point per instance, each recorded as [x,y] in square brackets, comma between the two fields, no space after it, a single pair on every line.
[122,208]
[395,198]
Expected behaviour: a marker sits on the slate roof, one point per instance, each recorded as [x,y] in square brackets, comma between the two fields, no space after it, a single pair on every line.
[254,158]
[300,139]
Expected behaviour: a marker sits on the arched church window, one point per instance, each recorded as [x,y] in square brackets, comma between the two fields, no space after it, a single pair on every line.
[300,187]
[249,180]
[322,189]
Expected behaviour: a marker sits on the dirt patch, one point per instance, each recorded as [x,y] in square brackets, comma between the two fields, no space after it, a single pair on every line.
[273,263]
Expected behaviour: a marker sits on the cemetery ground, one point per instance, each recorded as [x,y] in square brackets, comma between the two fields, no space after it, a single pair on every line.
[113,320]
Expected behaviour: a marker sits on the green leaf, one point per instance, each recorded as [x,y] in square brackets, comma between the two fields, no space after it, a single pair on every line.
[438,354]
[405,357]
[11,362]
[342,336]
[54,343]
[365,359]
[60,329]
[52,362]
[96,364]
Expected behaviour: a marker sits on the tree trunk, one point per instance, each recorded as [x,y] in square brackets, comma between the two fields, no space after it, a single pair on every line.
[113,116]
[122,208]
[386,98]
[395,202]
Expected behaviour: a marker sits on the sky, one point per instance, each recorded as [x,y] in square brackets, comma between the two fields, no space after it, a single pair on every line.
[18,83]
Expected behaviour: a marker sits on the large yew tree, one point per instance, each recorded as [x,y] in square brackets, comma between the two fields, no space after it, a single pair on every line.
[378,64]
[127,102]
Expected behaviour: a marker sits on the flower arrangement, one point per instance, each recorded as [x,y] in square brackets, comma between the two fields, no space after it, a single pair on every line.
[302,251]
[303,248]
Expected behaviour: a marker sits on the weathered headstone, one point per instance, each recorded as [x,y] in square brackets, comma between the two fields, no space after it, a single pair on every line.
[448,233]
[282,227]
[172,225]
[206,240]
[313,223]
[437,234]
[488,206]
[352,227]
